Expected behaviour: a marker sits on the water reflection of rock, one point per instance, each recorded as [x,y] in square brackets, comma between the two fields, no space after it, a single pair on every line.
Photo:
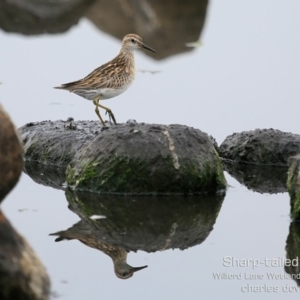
[52,176]
[259,178]
[293,252]
[142,223]
[166,25]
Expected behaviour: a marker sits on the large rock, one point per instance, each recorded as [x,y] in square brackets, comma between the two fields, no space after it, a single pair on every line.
[147,159]
[11,161]
[261,146]
[128,158]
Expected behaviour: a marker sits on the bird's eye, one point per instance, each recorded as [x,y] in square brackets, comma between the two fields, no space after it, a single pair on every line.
[124,274]
[132,40]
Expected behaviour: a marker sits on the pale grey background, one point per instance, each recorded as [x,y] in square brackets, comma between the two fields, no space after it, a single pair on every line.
[245,76]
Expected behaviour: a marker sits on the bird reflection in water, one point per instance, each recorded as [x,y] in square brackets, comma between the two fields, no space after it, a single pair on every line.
[81,231]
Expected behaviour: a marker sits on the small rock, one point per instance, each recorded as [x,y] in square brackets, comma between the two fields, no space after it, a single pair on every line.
[267,146]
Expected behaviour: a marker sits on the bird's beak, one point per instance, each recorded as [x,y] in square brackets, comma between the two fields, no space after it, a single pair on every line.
[139,268]
[147,47]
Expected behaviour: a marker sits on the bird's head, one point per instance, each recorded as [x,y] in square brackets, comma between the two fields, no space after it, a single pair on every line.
[133,41]
[125,271]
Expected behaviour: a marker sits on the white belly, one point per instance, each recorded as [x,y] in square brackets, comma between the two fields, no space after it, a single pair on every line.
[104,93]
[108,93]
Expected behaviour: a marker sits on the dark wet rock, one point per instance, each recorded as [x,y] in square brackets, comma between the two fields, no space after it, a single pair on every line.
[261,179]
[293,185]
[11,162]
[148,223]
[147,158]
[41,16]
[51,176]
[55,143]
[127,158]
[293,252]
[165,25]
[150,19]
[22,275]
[261,146]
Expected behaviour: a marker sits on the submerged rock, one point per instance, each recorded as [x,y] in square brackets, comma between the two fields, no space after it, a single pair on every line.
[127,158]
[261,146]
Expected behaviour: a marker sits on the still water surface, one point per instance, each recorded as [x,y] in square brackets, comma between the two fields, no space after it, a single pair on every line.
[245,76]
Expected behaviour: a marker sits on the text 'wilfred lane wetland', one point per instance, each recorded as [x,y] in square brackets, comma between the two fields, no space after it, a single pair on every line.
[249,276]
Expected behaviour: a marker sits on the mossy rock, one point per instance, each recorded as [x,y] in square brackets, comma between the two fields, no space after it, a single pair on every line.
[293,252]
[293,185]
[145,159]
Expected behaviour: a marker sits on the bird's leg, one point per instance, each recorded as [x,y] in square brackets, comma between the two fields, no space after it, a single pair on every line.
[95,101]
[109,117]
[108,110]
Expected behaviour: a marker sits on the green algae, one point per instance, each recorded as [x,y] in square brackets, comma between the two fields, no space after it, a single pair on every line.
[124,175]
[293,186]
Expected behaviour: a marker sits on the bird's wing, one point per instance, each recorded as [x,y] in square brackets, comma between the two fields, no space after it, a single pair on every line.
[104,76]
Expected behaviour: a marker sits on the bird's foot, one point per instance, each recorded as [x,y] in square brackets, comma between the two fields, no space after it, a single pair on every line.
[111,116]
